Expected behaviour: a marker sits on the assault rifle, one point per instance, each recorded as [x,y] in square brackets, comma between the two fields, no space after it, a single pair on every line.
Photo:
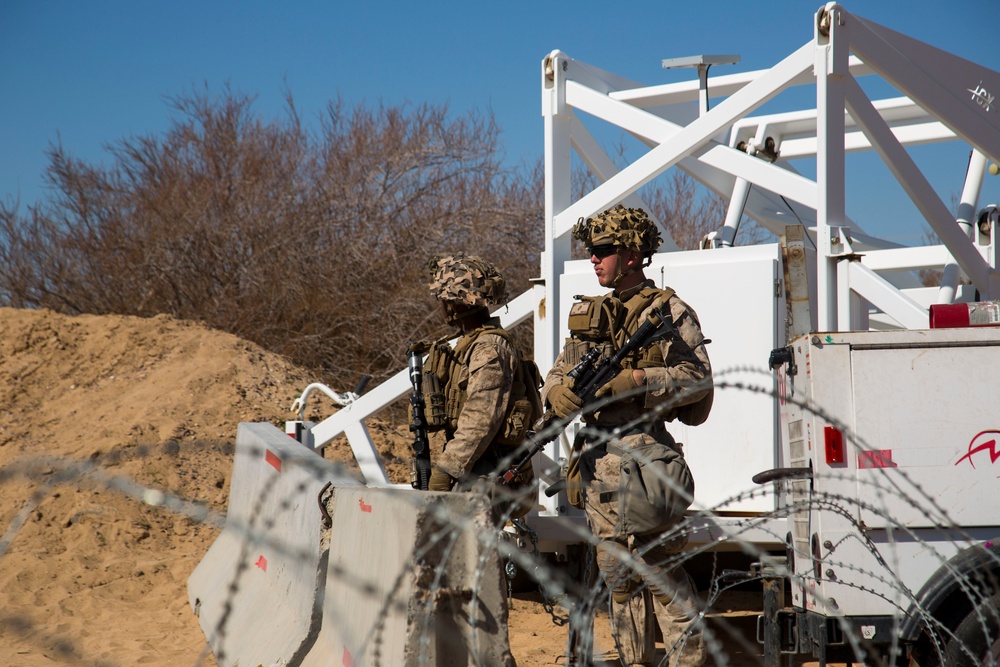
[420,466]
[594,371]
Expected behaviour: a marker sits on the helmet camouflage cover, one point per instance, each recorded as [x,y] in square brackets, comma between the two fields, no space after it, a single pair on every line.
[468,280]
[626,227]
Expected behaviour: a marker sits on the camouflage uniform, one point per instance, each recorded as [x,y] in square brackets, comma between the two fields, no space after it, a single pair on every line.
[488,379]
[669,592]
[480,384]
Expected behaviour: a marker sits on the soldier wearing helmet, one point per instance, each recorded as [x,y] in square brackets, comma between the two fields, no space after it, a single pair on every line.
[486,402]
[670,379]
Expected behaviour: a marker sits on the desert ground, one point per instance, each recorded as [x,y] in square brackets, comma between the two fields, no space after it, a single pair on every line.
[95,411]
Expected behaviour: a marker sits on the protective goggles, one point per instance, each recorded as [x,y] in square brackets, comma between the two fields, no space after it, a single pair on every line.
[602,251]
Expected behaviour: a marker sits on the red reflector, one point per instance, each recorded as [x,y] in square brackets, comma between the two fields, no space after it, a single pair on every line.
[834,441]
[978,314]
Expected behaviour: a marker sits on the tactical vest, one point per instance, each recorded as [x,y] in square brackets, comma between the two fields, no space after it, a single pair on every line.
[607,322]
[445,399]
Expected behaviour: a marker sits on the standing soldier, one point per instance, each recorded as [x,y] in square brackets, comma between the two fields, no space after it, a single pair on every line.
[486,396]
[670,379]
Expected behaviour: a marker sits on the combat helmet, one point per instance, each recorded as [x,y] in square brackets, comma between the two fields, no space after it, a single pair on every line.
[467,280]
[627,228]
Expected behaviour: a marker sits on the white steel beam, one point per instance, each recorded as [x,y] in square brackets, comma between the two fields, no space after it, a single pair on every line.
[831,69]
[797,129]
[856,141]
[557,122]
[694,136]
[705,167]
[916,186]
[852,308]
[961,93]
[884,296]
[721,86]
[966,212]
[907,259]
[656,130]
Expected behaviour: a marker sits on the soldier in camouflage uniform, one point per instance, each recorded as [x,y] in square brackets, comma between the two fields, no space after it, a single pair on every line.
[484,391]
[667,375]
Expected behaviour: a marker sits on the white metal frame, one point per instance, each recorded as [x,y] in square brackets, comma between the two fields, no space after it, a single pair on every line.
[946,99]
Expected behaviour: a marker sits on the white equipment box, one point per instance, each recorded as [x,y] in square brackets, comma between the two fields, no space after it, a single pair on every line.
[896,432]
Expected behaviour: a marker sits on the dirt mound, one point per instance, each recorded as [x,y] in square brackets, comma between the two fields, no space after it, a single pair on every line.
[93,576]
[89,575]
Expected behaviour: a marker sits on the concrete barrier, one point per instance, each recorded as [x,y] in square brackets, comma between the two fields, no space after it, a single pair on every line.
[413,579]
[256,592]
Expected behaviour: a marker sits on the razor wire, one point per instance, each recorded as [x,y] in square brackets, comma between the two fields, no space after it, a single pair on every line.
[878,577]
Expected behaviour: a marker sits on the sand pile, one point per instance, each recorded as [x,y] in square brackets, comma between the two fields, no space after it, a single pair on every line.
[90,575]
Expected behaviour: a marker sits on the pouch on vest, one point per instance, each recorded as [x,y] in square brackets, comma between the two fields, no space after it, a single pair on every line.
[595,318]
[432,387]
[574,350]
[655,489]
[436,372]
[526,407]
[433,401]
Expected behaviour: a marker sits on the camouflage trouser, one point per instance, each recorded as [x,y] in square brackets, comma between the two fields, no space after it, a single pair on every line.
[668,597]
[644,590]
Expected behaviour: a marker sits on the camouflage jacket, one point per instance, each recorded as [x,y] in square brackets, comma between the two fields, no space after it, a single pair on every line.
[487,379]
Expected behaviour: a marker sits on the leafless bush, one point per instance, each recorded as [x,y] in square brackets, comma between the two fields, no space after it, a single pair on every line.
[311,243]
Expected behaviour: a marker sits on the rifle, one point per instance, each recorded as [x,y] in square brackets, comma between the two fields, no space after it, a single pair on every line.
[420,466]
[593,372]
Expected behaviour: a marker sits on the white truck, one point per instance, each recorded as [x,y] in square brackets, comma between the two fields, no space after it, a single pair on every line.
[890,445]
[873,435]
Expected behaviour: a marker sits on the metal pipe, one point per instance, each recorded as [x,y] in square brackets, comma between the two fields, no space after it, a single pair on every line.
[737,204]
[966,212]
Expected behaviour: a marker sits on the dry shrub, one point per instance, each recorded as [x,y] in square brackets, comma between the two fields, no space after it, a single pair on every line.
[311,243]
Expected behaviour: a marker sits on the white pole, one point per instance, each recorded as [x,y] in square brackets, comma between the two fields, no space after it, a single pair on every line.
[831,70]
[966,212]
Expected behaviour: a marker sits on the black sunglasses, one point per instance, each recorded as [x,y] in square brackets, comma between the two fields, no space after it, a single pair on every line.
[602,251]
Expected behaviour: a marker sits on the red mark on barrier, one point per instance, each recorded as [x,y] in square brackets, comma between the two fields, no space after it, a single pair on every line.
[262,563]
[364,508]
[273,459]
[347,660]
[990,445]
[876,458]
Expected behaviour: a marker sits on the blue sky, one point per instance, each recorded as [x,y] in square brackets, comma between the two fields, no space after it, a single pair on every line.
[91,73]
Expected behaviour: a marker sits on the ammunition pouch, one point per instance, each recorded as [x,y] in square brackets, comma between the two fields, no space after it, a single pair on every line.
[596,318]
[434,401]
[515,428]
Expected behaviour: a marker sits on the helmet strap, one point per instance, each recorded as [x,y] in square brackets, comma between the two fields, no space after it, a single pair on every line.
[622,274]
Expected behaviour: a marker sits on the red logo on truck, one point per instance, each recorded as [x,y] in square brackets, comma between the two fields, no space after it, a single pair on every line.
[984,441]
